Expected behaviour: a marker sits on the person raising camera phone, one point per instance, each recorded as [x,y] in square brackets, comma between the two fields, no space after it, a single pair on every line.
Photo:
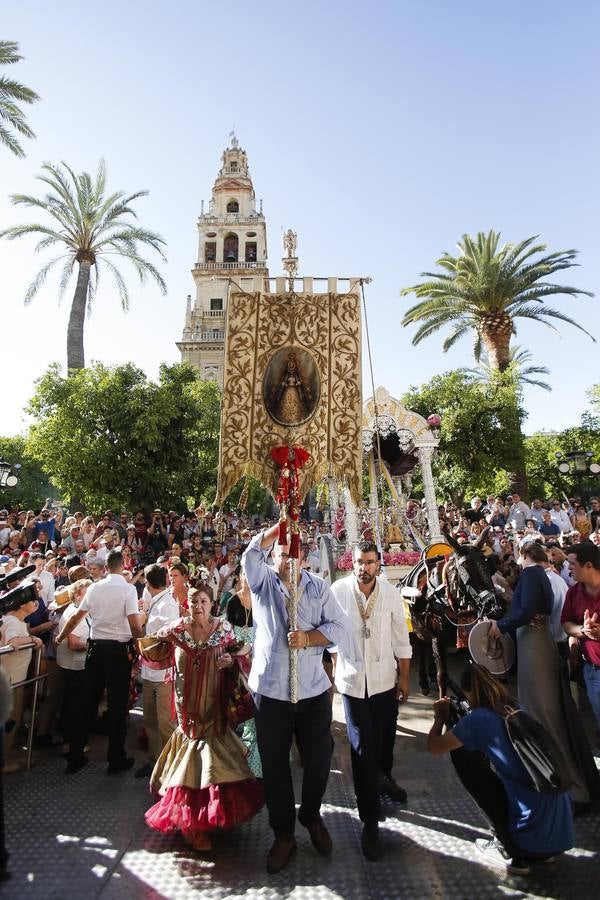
[526,825]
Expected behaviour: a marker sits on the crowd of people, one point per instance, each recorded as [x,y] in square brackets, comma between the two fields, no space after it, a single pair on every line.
[191,612]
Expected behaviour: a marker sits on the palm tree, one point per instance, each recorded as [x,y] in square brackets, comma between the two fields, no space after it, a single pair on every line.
[485,288]
[11,93]
[518,370]
[90,226]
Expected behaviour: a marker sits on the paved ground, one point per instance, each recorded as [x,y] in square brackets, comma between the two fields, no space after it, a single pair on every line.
[84,836]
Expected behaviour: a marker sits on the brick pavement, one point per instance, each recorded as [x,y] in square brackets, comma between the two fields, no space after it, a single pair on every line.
[84,836]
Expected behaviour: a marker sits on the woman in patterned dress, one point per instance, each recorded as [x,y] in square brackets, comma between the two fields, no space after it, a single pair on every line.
[201,777]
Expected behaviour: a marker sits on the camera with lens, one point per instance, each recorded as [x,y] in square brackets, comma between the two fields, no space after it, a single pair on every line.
[12,598]
[459,705]
[19,596]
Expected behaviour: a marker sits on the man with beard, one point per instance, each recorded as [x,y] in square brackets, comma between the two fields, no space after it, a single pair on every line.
[372,683]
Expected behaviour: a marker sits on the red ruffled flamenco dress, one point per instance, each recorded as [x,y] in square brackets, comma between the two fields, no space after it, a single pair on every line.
[202,777]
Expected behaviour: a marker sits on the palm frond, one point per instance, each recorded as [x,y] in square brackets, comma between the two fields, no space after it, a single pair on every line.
[120,281]
[488,284]
[39,279]
[91,225]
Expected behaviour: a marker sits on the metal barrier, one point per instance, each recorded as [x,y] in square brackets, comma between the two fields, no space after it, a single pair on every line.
[35,680]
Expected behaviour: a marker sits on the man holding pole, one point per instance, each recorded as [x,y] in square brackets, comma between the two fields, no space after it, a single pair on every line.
[277,601]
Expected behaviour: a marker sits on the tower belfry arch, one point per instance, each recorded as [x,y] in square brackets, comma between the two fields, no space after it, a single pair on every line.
[232,247]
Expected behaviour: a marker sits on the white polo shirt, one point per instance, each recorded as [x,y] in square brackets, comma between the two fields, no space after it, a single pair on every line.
[162,610]
[108,603]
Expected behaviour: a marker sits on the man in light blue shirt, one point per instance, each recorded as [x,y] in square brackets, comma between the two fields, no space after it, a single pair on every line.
[278,721]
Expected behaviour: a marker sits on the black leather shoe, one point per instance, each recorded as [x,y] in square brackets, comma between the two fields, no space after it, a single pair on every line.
[389,788]
[122,766]
[75,764]
[370,843]
[280,854]
[320,837]
[145,771]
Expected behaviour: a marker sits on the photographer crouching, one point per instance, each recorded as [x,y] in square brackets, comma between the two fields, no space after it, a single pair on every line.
[527,825]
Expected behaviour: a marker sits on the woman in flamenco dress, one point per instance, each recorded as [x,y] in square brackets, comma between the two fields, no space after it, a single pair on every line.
[201,777]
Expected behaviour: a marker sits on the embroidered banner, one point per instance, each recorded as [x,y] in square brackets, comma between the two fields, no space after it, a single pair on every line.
[292,376]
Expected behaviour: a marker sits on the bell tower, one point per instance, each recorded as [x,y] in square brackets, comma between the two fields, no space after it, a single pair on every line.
[232,247]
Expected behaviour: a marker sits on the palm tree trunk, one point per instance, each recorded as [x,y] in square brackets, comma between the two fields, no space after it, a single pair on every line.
[75,354]
[498,349]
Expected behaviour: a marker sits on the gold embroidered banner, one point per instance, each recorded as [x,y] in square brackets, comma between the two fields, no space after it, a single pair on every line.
[292,376]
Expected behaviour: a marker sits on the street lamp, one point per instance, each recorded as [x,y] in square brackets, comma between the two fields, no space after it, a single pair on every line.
[578,463]
[7,476]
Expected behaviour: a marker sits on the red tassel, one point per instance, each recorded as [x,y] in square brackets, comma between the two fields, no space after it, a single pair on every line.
[295,546]
[283,539]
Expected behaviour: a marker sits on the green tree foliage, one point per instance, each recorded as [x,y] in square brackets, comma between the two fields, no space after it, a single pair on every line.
[594,398]
[542,465]
[518,368]
[89,227]
[12,117]
[479,434]
[260,500]
[485,288]
[112,437]
[34,482]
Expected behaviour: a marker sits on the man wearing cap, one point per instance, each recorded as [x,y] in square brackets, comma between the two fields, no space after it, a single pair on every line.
[105,544]
[73,535]
[112,606]
[581,615]
[372,679]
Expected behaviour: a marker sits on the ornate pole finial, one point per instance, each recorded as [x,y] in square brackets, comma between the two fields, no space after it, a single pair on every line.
[290,262]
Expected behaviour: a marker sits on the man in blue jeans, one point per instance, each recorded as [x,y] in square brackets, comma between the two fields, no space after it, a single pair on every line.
[278,721]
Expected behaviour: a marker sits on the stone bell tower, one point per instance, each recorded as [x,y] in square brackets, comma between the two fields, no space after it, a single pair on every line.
[232,250]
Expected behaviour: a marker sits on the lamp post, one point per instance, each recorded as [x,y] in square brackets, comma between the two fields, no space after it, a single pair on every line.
[578,463]
[7,476]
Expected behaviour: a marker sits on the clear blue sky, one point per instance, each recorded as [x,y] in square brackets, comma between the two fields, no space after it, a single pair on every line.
[380,132]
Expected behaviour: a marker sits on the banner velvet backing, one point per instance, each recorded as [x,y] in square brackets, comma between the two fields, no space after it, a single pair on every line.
[292,376]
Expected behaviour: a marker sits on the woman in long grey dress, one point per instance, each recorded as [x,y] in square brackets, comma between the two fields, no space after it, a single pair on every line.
[543,691]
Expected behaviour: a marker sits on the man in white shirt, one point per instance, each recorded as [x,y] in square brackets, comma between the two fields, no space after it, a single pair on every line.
[45,578]
[156,691]
[371,684]
[560,517]
[518,513]
[112,606]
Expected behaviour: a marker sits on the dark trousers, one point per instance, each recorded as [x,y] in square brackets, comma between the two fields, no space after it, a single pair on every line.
[107,665]
[489,794]
[371,726]
[277,723]
[73,681]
